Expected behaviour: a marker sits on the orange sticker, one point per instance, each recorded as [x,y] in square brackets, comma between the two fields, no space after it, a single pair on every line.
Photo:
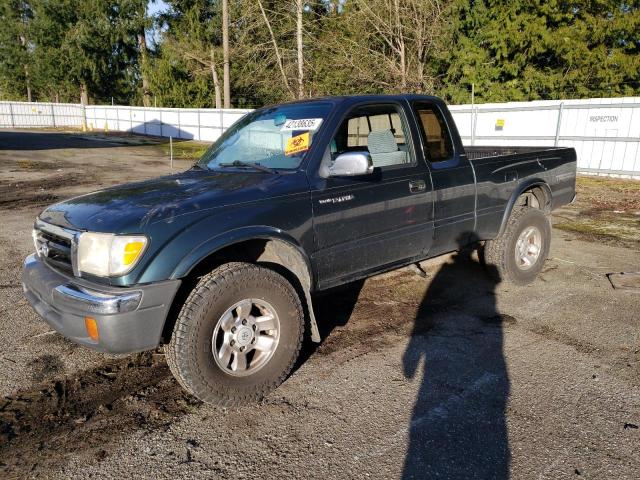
[297,144]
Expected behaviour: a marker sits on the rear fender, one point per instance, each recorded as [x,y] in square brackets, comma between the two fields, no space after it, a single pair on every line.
[520,189]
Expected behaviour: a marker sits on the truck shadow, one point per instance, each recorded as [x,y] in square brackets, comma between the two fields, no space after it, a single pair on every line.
[458,427]
[333,309]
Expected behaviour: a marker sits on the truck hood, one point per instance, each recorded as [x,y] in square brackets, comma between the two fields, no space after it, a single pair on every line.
[131,207]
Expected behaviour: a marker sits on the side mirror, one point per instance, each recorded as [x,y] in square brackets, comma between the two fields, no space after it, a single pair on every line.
[351,164]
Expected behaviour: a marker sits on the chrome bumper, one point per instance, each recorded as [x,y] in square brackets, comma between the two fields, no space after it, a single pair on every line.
[75,297]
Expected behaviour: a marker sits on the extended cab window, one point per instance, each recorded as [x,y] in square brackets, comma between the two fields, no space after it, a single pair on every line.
[377,129]
[435,133]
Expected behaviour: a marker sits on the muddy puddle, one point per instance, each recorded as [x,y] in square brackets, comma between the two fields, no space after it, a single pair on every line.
[19,194]
[87,413]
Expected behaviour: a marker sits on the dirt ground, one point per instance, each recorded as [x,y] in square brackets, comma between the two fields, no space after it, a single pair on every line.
[605,209]
[452,376]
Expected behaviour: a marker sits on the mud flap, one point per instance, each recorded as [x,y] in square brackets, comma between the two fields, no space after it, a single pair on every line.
[315,332]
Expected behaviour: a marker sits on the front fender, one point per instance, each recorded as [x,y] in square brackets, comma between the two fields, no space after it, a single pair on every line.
[226,239]
[285,250]
[179,245]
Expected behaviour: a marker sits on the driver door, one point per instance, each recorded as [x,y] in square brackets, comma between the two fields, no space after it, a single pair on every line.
[366,223]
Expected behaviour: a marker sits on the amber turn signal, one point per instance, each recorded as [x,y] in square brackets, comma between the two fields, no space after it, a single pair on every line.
[92,328]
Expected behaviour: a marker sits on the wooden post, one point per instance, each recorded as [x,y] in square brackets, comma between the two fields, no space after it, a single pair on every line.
[171,151]
[555,144]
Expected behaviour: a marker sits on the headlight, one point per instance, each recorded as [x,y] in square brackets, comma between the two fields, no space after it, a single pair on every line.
[108,255]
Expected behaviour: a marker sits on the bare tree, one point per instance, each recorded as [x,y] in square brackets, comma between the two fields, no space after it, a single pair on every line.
[399,39]
[199,58]
[84,94]
[27,81]
[214,77]
[225,53]
[27,78]
[299,9]
[276,49]
[389,43]
[142,47]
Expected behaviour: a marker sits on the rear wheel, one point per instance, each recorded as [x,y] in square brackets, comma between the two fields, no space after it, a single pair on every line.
[518,255]
[237,336]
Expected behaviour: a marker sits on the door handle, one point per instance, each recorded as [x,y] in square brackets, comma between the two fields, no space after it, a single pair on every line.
[417,186]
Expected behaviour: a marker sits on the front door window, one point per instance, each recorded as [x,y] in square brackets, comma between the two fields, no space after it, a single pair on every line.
[379,130]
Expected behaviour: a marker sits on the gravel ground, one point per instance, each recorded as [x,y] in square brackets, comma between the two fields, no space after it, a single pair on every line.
[452,376]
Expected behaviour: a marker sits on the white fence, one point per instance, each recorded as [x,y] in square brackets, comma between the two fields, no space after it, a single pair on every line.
[605,132]
[188,123]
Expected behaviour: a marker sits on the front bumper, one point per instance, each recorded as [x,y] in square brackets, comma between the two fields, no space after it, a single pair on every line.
[129,319]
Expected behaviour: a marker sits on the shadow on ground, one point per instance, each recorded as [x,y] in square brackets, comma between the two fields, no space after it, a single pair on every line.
[458,427]
[26,140]
[333,309]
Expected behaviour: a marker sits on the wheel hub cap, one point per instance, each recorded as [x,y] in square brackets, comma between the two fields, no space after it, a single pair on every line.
[528,248]
[245,337]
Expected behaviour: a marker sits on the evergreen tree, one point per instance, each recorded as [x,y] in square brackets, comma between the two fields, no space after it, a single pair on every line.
[63,48]
[189,50]
[280,50]
[527,50]
[15,50]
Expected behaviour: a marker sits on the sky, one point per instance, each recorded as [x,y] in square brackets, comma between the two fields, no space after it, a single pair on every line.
[156,6]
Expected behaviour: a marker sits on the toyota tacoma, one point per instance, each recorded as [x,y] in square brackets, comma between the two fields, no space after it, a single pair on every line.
[220,264]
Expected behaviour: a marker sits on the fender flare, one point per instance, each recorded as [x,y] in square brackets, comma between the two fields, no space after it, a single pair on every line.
[519,190]
[280,248]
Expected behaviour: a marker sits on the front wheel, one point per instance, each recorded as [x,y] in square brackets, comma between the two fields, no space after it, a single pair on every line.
[237,336]
[518,255]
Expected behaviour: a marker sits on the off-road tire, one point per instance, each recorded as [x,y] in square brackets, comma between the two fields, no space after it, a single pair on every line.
[499,254]
[189,352]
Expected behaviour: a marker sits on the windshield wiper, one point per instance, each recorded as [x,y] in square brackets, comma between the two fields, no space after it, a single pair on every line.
[240,163]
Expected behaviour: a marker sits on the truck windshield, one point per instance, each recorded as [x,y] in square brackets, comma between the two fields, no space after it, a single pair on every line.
[273,137]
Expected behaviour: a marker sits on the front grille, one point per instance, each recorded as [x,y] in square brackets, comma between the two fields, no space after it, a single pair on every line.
[54,246]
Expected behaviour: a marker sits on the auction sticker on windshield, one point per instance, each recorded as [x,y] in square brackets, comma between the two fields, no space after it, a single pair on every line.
[301,124]
[297,144]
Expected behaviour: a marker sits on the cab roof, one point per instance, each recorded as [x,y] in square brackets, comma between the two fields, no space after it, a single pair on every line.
[353,99]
